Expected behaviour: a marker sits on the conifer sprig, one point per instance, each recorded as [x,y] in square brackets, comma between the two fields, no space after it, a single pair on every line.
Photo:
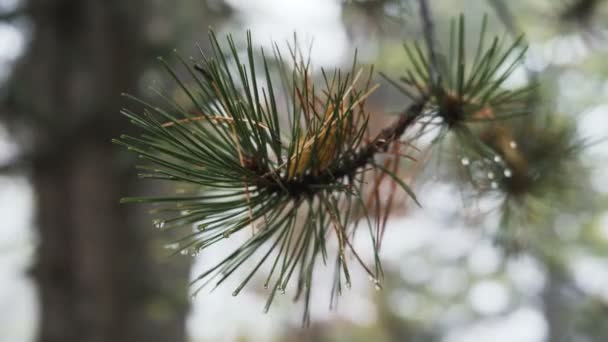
[464,90]
[535,163]
[296,184]
[296,174]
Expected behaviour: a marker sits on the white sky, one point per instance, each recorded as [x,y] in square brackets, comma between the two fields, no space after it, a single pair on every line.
[316,21]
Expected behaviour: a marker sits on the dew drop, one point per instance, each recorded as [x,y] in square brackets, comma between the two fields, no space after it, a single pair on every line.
[160,224]
[172,246]
[490,175]
[508,173]
[494,185]
[513,144]
[377,286]
[282,290]
[465,161]
[497,159]
[183,252]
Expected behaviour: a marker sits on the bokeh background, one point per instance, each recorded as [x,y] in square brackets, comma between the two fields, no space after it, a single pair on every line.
[77,266]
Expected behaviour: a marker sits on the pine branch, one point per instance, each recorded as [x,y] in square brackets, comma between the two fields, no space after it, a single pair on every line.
[468,90]
[536,162]
[296,184]
[359,159]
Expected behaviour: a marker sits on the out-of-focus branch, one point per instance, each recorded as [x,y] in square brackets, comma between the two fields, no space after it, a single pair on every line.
[13,166]
[13,13]
[506,16]
[428,27]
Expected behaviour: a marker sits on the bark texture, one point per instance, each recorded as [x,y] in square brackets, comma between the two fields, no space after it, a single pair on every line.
[97,276]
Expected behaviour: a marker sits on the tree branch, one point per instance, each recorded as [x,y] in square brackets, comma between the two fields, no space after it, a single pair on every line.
[506,16]
[13,13]
[302,185]
[428,27]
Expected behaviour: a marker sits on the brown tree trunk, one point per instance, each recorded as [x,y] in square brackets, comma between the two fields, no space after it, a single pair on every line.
[97,279]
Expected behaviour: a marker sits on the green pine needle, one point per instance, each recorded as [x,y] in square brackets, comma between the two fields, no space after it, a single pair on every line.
[468,90]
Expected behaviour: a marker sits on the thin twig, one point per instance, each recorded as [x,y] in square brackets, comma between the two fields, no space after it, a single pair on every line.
[13,14]
[506,16]
[428,27]
[360,159]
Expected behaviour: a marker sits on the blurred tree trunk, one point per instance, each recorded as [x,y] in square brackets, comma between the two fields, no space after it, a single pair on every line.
[96,278]
[555,307]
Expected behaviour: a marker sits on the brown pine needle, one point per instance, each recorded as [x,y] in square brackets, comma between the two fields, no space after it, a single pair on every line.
[216,118]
